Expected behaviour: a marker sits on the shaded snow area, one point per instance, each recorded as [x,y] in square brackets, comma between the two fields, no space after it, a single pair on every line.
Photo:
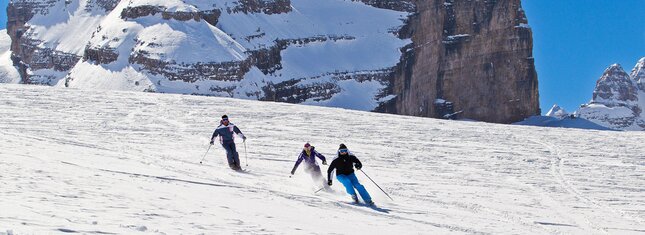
[8,73]
[128,162]
[566,122]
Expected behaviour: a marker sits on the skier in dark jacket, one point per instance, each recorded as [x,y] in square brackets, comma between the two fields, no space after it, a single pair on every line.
[344,166]
[226,132]
[309,155]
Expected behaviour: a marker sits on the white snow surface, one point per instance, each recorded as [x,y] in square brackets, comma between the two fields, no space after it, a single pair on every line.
[8,73]
[97,161]
[67,27]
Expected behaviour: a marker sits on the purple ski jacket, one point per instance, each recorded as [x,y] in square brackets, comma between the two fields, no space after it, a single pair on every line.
[310,160]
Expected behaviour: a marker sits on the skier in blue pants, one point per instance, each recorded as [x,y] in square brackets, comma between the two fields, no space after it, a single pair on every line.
[344,166]
[226,132]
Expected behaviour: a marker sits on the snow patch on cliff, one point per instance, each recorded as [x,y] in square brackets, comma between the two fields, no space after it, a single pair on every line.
[8,72]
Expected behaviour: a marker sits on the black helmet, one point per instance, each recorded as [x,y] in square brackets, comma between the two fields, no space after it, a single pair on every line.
[342,146]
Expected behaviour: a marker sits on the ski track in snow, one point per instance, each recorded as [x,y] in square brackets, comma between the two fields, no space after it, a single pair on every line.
[106,162]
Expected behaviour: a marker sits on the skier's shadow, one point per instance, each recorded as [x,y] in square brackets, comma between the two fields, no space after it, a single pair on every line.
[170,179]
[382,210]
[375,208]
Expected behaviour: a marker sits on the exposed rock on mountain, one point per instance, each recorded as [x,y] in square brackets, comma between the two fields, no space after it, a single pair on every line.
[615,87]
[398,56]
[477,55]
[617,102]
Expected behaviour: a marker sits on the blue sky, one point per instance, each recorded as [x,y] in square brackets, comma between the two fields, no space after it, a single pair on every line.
[3,13]
[574,41]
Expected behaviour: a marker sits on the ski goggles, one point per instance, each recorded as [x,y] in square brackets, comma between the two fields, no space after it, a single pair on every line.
[343,151]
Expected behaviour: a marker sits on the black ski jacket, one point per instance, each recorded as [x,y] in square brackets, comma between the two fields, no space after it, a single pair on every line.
[343,165]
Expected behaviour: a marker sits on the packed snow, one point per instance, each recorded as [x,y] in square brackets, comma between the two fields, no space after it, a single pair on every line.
[97,161]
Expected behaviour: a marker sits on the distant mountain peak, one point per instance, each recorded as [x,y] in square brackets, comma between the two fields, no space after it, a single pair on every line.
[614,87]
[557,112]
[617,102]
[638,74]
[614,71]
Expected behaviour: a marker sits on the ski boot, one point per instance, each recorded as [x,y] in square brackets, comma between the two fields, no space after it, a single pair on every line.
[355,199]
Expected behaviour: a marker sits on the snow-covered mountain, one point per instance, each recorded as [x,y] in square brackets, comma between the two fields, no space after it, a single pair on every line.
[638,74]
[128,162]
[226,48]
[618,100]
[559,117]
[557,112]
[396,56]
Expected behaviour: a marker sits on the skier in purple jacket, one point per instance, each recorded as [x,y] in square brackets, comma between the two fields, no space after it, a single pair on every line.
[308,155]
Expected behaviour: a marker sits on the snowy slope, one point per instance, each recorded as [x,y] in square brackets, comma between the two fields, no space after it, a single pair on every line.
[127,162]
[8,73]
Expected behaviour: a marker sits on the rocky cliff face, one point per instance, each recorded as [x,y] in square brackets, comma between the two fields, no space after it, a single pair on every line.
[618,99]
[470,58]
[435,58]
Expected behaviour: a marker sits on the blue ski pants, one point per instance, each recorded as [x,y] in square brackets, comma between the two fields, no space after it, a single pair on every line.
[350,182]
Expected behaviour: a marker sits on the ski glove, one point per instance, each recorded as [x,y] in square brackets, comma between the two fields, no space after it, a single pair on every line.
[292,172]
[358,167]
[324,162]
[329,182]
[212,142]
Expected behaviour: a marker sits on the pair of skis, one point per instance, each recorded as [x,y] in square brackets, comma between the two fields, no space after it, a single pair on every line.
[246,158]
[379,187]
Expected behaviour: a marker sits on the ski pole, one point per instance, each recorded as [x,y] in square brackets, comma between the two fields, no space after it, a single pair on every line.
[379,187]
[246,156]
[319,190]
[209,148]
